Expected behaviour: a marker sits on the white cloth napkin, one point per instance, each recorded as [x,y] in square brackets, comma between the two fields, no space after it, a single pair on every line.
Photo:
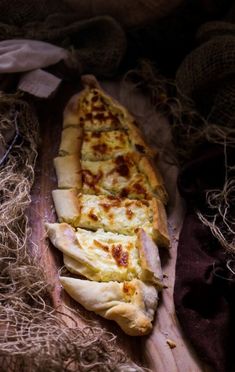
[28,57]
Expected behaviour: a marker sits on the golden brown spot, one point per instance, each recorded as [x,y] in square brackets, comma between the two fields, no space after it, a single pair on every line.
[145,202]
[106,206]
[110,215]
[123,164]
[101,245]
[123,160]
[101,148]
[110,197]
[120,256]
[119,160]
[139,188]
[100,116]
[129,213]
[88,116]
[137,203]
[90,178]
[123,170]
[96,134]
[128,289]
[95,98]
[129,246]
[115,201]
[124,192]
[114,118]
[129,203]
[120,136]
[92,216]
[98,108]
[87,177]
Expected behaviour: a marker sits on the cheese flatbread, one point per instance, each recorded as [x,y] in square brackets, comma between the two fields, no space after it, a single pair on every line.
[97,114]
[105,256]
[129,175]
[113,214]
[110,205]
[104,145]
[95,111]
[130,304]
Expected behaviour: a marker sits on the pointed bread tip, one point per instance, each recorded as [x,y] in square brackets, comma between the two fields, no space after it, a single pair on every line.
[90,81]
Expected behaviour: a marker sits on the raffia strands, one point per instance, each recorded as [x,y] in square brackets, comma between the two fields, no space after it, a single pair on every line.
[221,202]
[33,337]
[189,127]
[207,76]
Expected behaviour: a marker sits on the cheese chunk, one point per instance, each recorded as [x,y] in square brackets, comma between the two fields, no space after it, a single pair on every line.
[92,110]
[104,145]
[113,214]
[105,256]
[119,176]
[98,113]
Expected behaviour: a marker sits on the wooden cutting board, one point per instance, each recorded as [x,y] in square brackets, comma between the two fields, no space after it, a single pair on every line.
[165,349]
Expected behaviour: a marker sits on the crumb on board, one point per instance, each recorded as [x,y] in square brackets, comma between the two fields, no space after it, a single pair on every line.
[171,343]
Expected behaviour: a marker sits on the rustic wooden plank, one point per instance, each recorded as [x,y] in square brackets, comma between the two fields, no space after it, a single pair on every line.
[160,357]
[167,346]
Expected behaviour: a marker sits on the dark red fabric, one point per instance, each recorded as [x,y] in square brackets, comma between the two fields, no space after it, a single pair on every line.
[204,291]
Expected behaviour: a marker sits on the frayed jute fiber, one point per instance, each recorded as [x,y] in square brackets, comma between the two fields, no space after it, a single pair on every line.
[33,337]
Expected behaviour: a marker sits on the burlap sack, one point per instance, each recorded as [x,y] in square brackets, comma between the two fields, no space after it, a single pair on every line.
[207,74]
[129,13]
[98,44]
[19,12]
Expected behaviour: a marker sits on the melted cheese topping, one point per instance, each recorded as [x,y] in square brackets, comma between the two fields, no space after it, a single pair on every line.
[114,256]
[115,214]
[119,176]
[98,114]
[104,145]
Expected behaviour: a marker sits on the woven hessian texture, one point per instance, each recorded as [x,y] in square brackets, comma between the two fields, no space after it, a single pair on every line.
[207,74]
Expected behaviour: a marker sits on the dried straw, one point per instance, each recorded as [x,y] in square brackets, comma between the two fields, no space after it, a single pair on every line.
[221,202]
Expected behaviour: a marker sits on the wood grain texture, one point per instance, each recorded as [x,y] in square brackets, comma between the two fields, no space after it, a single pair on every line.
[152,351]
